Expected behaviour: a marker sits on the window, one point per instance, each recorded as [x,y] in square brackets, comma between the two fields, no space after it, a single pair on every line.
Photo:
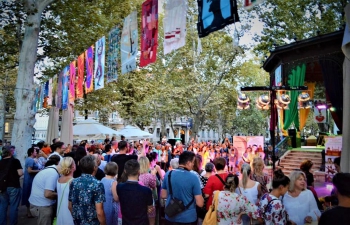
[158,132]
[167,132]
[202,133]
[150,130]
[208,133]
[7,128]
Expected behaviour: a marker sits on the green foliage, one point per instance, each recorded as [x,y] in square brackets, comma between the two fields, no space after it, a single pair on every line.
[285,20]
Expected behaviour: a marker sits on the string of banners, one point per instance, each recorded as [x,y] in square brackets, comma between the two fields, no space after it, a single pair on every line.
[87,72]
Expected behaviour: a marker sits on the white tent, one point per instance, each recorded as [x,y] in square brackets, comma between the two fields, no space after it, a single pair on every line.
[131,132]
[92,130]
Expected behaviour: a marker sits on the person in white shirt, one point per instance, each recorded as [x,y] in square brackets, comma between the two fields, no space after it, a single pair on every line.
[299,202]
[43,195]
[57,149]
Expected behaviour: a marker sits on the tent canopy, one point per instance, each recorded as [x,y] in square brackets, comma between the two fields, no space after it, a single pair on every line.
[92,130]
[132,132]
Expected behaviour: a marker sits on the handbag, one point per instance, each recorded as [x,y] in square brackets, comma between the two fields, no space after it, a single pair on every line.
[175,205]
[211,216]
[59,206]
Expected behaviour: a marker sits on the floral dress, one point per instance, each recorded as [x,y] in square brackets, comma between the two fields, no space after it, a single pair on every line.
[272,210]
[230,206]
[150,181]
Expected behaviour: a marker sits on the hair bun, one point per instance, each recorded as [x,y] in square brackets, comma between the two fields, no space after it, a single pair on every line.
[278,174]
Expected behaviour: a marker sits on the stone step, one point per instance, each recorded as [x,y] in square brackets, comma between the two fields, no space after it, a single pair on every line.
[298,162]
[305,154]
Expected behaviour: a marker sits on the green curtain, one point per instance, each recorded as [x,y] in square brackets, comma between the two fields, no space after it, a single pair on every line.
[296,78]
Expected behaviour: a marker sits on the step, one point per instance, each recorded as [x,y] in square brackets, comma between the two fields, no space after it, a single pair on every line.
[292,160]
[305,154]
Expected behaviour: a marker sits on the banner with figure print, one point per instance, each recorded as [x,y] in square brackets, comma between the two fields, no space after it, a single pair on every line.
[72,69]
[333,146]
[49,92]
[247,147]
[149,29]
[99,71]
[79,87]
[174,25]
[89,63]
[65,84]
[215,14]
[129,43]
[59,90]
[113,53]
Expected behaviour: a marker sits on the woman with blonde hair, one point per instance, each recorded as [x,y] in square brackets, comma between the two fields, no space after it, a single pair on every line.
[110,207]
[148,179]
[249,188]
[66,168]
[231,205]
[258,174]
[299,201]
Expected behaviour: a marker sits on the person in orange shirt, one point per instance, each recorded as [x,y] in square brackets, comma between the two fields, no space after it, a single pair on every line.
[46,149]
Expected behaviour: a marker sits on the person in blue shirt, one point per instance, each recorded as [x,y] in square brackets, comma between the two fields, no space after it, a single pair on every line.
[185,187]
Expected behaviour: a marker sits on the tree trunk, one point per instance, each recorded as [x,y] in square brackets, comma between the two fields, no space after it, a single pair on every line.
[24,94]
[2,115]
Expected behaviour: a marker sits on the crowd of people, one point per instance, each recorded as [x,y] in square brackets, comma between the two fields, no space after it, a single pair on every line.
[121,182]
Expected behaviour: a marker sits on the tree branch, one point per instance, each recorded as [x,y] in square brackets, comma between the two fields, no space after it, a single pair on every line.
[191,108]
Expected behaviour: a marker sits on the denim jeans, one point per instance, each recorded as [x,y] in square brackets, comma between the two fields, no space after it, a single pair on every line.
[12,198]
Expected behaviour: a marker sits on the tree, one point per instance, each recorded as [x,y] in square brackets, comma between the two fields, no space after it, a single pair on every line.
[300,19]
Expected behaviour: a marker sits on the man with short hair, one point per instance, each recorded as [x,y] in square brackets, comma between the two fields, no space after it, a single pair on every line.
[43,195]
[174,164]
[340,214]
[11,194]
[121,157]
[86,195]
[57,149]
[185,187]
[135,199]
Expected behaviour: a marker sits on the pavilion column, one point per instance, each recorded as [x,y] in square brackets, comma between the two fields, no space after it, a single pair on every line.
[345,157]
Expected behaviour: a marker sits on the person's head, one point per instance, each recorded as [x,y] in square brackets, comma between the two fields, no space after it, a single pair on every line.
[31,152]
[337,164]
[53,160]
[55,140]
[186,160]
[111,169]
[6,153]
[67,166]
[297,180]
[341,182]
[231,182]
[280,182]
[219,163]
[122,138]
[254,148]
[132,168]
[174,164]
[97,158]
[58,147]
[122,146]
[158,146]
[249,149]
[144,164]
[198,164]
[108,148]
[88,164]
[80,153]
[114,144]
[306,165]
[152,157]
[209,167]
[258,165]
[245,170]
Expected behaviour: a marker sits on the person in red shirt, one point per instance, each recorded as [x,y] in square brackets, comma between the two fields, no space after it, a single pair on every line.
[217,181]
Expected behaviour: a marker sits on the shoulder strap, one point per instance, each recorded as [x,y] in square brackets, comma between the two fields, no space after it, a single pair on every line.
[59,207]
[171,191]
[223,182]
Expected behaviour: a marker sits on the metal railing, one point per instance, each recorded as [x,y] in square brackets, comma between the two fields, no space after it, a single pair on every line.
[282,147]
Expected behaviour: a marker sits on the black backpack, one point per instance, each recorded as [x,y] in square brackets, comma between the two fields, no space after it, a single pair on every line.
[3,177]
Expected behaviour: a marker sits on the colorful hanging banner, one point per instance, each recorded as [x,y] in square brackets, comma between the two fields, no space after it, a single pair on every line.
[149,29]
[72,71]
[41,96]
[215,15]
[129,43]
[99,71]
[35,101]
[248,4]
[113,51]
[89,63]
[59,90]
[80,82]
[65,84]
[174,25]
[49,93]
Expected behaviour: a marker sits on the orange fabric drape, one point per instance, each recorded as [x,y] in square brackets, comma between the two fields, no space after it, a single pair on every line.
[304,113]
